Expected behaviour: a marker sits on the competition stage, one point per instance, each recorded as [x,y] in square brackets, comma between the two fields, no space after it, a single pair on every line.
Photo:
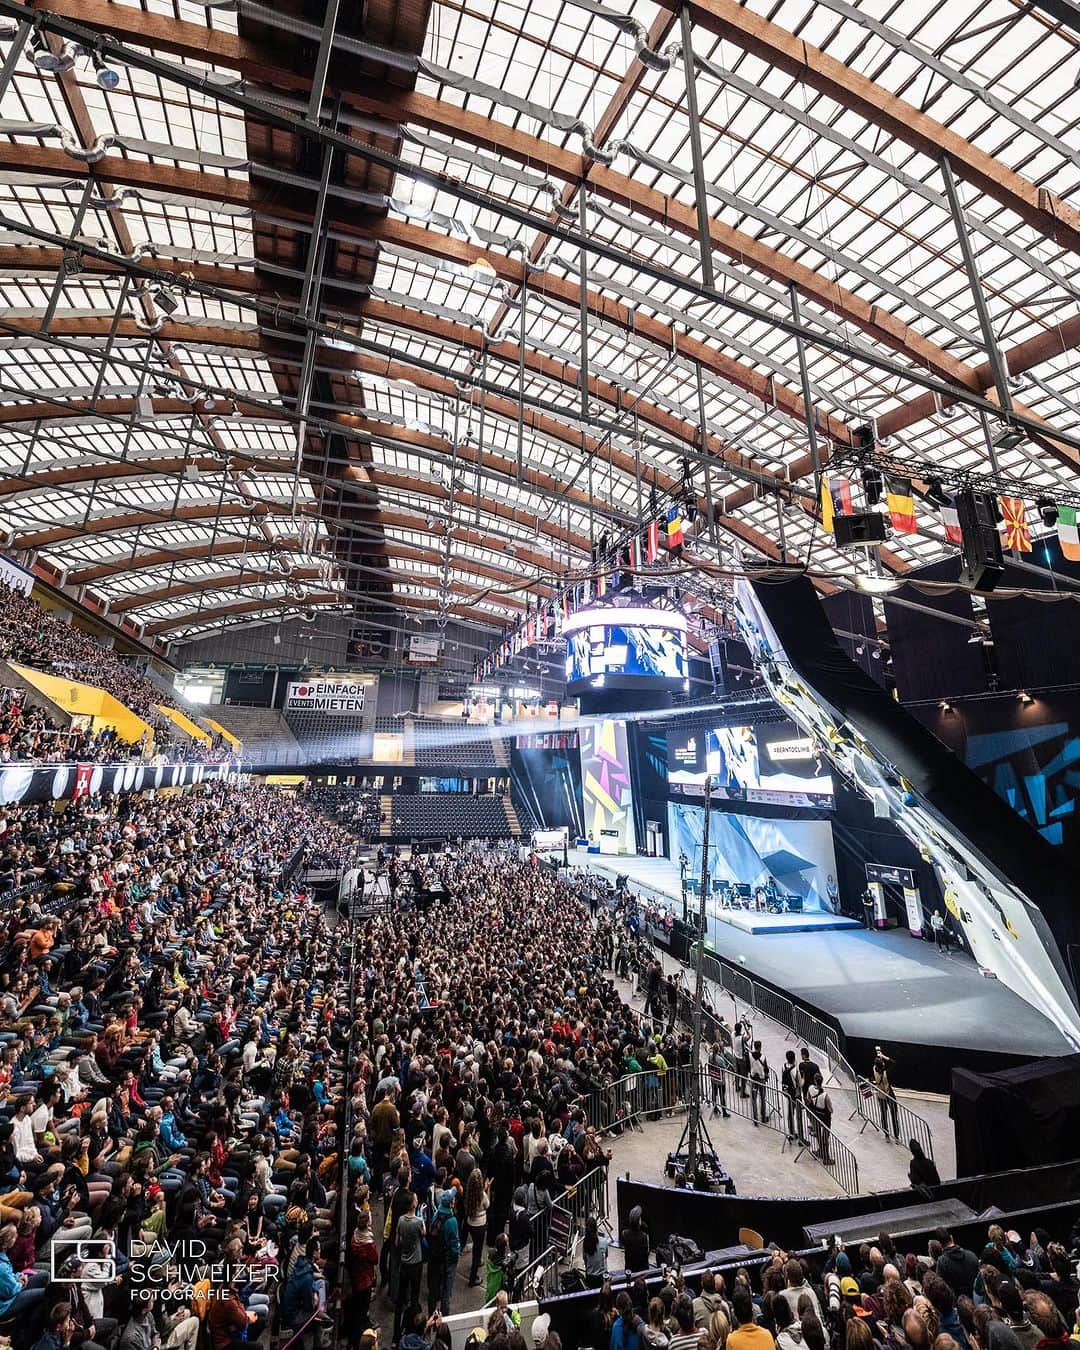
[885,988]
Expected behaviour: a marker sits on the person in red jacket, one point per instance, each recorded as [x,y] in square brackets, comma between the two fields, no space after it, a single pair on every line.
[363,1268]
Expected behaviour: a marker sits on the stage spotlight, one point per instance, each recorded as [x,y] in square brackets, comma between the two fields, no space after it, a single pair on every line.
[873,482]
[946,706]
[859,649]
[1048,511]
[1024,699]
[876,585]
[1009,438]
[875,652]
[165,300]
[50,62]
[936,494]
[104,75]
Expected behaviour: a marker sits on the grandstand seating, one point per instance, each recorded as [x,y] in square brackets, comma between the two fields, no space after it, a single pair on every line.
[446,743]
[445,815]
[264,732]
[326,735]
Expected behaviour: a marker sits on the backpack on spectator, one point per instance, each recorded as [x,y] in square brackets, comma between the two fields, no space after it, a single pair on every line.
[435,1240]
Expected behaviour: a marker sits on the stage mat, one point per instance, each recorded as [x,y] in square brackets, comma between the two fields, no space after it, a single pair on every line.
[932,1010]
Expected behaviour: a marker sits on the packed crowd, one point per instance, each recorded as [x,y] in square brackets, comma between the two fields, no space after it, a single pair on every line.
[33,636]
[469,1052]
[173,1019]
[1014,1294]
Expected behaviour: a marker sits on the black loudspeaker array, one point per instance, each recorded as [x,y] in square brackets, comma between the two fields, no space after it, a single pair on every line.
[867,527]
[980,544]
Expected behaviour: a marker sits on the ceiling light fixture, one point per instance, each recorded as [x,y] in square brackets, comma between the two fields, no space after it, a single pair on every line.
[874,585]
[1048,511]
[104,75]
[50,62]
[936,494]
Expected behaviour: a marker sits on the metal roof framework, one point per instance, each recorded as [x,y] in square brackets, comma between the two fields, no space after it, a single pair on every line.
[297,314]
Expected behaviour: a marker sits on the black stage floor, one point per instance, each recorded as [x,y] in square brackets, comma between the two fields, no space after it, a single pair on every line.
[935,1011]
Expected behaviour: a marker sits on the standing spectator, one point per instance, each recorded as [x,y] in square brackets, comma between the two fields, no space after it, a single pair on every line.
[408,1240]
[956,1265]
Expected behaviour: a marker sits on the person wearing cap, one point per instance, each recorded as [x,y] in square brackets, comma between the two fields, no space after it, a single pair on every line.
[540,1328]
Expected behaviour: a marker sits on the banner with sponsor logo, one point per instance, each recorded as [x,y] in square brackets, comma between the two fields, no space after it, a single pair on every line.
[18,578]
[337,696]
[64,782]
[423,650]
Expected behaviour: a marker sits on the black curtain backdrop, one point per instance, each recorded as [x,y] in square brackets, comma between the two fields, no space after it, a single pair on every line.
[1026,752]
[974,810]
[713,1221]
[1022,1116]
[932,658]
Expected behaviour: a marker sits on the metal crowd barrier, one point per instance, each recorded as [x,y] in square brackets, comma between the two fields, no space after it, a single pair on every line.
[649,1096]
[796,1020]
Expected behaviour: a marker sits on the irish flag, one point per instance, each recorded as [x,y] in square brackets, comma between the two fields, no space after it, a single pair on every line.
[1068,529]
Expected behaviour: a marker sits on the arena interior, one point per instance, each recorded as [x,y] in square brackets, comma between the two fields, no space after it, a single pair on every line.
[539,708]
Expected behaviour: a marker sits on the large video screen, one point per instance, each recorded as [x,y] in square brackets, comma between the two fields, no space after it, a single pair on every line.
[625,649]
[773,763]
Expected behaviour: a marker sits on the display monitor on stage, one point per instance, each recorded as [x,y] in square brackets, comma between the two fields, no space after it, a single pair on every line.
[769,764]
[628,647]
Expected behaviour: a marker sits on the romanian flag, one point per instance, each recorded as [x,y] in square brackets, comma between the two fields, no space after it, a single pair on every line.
[1068,532]
[950,519]
[675,535]
[652,541]
[1014,524]
[900,504]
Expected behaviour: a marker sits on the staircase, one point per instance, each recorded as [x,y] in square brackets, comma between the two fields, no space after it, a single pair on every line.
[386,810]
[264,732]
[512,818]
[499,745]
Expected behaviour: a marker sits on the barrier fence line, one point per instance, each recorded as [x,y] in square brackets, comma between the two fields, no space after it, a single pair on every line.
[653,1096]
[826,1148]
[876,1109]
[588,1198]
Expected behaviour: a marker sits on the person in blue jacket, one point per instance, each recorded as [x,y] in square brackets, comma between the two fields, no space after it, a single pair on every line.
[444,1248]
[20,1294]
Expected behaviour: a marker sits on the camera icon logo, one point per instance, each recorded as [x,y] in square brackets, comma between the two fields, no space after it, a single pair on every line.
[87,1258]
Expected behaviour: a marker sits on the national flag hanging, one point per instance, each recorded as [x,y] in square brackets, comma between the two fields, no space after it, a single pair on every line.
[835,500]
[840,488]
[828,510]
[1014,524]
[652,541]
[675,536]
[900,503]
[1068,532]
[635,553]
[950,519]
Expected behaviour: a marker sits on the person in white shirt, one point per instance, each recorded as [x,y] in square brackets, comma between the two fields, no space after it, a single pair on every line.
[22,1136]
